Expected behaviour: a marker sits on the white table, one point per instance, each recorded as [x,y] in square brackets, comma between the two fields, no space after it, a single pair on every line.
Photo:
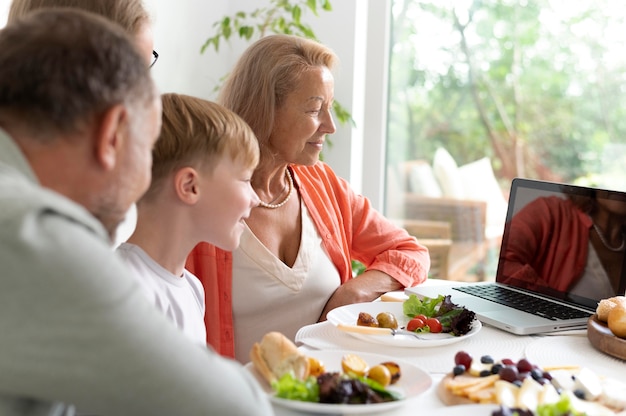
[566,348]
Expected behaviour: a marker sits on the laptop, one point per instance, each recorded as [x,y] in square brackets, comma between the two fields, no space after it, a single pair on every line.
[535,289]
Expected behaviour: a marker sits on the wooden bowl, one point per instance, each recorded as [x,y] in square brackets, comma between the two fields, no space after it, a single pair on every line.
[601,337]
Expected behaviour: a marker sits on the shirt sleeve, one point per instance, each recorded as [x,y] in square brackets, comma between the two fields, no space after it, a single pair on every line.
[352,229]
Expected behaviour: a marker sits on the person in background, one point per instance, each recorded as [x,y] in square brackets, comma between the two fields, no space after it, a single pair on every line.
[200,191]
[131,15]
[294,262]
[79,115]
[575,245]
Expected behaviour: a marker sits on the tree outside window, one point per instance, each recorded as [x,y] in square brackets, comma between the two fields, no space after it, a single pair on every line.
[538,87]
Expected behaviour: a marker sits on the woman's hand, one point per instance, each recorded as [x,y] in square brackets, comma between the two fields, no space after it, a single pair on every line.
[366,287]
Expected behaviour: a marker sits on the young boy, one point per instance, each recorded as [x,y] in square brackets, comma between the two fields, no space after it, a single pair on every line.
[200,191]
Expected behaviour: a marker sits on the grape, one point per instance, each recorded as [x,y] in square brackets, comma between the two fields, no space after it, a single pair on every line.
[508,361]
[463,358]
[524,365]
[508,373]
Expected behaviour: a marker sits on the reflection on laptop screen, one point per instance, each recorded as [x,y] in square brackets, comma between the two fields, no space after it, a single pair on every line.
[564,241]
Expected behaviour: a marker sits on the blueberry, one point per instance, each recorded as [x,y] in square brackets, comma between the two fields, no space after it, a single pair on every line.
[495,369]
[486,359]
[458,369]
[536,373]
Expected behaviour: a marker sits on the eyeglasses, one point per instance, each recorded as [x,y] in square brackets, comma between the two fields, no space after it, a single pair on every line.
[155,56]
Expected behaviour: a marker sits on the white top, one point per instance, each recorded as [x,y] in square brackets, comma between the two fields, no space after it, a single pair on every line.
[181,298]
[270,296]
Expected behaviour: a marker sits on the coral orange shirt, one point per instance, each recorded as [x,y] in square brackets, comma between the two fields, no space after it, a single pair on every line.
[350,229]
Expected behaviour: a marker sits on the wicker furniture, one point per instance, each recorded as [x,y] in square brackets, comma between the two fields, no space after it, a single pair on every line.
[455,230]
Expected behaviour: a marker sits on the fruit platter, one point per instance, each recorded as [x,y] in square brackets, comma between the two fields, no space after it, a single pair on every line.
[521,386]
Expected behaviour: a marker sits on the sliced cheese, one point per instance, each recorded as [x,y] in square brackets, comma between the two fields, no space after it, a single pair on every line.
[587,381]
[528,395]
[563,379]
[590,408]
[548,394]
[506,393]
[477,367]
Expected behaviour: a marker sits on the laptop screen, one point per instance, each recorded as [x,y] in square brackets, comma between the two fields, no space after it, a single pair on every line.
[564,241]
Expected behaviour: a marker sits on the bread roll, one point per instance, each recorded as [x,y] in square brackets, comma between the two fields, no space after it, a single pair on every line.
[617,320]
[276,355]
[605,306]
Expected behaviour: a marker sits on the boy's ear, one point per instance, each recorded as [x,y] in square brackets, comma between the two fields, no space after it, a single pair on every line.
[110,133]
[186,185]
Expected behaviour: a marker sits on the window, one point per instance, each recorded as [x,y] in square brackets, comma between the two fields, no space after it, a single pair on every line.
[484,91]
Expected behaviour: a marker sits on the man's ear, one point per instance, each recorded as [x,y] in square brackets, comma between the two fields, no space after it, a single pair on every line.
[110,135]
[186,185]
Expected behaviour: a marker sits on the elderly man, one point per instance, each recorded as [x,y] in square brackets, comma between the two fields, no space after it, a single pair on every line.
[79,115]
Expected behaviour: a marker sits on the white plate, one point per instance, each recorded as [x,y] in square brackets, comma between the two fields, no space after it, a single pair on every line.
[413,382]
[349,314]
[465,410]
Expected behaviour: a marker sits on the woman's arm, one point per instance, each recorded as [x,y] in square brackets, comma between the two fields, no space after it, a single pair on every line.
[364,288]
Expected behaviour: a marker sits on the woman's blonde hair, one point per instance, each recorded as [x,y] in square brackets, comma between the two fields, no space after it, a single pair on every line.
[130,14]
[266,73]
[198,133]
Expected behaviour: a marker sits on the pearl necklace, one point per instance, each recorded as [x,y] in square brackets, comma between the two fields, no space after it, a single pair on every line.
[284,201]
[606,243]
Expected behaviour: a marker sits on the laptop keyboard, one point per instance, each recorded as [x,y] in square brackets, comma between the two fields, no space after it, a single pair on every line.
[524,302]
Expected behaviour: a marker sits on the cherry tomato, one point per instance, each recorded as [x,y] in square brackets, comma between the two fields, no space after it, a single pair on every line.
[434,325]
[414,324]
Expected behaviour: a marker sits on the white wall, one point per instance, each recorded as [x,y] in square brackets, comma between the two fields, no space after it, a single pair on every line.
[355,30]
[181,68]
[4,10]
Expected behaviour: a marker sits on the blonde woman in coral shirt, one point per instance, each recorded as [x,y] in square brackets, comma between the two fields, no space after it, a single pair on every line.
[294,262]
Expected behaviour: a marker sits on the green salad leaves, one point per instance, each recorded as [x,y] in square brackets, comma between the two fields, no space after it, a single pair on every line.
[289,387]
[333,388]
[455,319]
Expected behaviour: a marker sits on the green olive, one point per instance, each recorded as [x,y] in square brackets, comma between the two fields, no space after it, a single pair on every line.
[387,320]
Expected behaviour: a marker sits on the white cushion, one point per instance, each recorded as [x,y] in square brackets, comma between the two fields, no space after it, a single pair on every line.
[448,174]
[481,184]
[422,180]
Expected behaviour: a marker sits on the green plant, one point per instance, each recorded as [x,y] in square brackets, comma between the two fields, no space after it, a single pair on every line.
[281,16]
[357,268]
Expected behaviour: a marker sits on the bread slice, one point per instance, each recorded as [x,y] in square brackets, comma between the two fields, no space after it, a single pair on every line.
[276,356]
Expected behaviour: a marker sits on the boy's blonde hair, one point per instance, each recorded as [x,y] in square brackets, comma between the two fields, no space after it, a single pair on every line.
[198,133]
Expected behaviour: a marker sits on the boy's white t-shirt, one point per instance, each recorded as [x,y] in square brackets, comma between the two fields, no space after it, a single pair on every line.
[181,298]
